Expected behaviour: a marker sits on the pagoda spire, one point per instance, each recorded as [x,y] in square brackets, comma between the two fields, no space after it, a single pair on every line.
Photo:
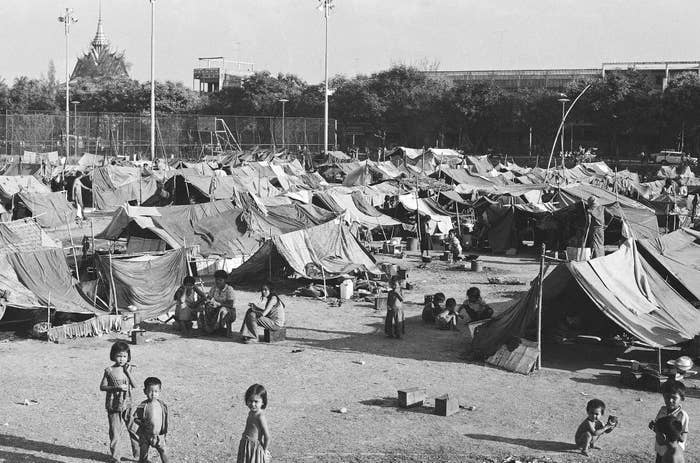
[100,41]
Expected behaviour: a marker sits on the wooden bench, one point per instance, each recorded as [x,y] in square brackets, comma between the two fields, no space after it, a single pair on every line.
[274,336]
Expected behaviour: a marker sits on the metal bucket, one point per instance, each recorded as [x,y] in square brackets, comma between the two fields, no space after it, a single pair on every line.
[380,303]
[413,244]
[476,266]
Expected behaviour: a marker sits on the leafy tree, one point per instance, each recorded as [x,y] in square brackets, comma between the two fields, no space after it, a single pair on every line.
[31,94]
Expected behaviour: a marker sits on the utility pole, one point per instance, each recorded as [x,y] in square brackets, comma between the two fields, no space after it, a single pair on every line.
[67,19]
[284,142]
[326,5]
[153,82]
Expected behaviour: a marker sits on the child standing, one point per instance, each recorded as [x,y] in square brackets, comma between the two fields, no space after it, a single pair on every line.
[592,428]
[394,322]
[117,382]
[447,319]
[255,442]
[152,417]
[674,393]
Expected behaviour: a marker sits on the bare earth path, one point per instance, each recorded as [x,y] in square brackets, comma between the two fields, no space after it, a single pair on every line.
[205,378]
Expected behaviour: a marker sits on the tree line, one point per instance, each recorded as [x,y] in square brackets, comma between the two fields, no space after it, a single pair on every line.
[622,113]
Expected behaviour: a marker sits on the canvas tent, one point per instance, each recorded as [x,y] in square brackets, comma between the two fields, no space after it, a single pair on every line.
[623,286]
[113,186]
[328,250]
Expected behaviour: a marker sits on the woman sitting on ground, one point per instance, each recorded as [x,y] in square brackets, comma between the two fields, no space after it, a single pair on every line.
[270,316]
[219,308]
[475,306]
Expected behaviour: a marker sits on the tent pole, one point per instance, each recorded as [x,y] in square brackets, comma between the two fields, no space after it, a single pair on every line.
[459,226]
[659,361]
[92,237]
[269,259]
[48,313]
[325,290]
[539,309]
[72,249]
[114,288]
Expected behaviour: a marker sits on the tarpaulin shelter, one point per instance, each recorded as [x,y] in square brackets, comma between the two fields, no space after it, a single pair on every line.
[92,160]
[178,226]
[480,164]
[38,277]
[326,251]
[344,204]
[113,186]
[276,220]
[440,220]
[338,156]
[640,218]
[676,256]
[10,186]
[49,210]
[24,169]
[623,286]
[146,282]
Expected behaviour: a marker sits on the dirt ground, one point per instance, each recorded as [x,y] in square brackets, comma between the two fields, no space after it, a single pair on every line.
[529,417]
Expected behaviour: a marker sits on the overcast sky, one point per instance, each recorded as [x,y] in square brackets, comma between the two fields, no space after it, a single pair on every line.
[365,35]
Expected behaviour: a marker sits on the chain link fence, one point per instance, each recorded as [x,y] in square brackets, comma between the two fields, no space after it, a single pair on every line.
[177,135]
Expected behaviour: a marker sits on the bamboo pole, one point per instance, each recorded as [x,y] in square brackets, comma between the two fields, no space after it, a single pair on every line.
[72,248]
[48,313]
[539,308]
[114,287]
[92,237]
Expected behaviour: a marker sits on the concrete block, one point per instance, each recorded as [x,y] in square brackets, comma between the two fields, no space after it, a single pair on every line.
[446,405]
[411,397]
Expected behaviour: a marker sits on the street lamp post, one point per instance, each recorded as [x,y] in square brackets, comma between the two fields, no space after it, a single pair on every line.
[326,5]
[67,19]
[75,104]
[284,142]
[563,100]
[153,82]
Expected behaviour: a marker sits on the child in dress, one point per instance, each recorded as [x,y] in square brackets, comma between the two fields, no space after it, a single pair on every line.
[674,393]
[255,442]
[152,417]
[394,322]
[670,429]
[117,382]
[447,319]
[592,428]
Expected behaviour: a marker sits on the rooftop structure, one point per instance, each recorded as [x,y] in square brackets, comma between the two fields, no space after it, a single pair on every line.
[220,72]
[100,60]
[557,79]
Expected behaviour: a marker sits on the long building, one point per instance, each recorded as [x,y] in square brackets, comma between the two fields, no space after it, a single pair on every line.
[557,79]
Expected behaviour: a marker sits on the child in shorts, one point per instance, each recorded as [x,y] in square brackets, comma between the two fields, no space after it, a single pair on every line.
[674,393]
[152,417]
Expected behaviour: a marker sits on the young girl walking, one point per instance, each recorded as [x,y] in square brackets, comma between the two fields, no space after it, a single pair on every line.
[117,382]
[394,321]
[255,442]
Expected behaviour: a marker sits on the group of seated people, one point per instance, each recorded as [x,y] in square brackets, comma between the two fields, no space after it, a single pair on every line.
[215,312]
[445,313]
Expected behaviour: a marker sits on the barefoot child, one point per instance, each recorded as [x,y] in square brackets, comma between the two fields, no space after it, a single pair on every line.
[670,428]
[117,382]
[592,428]
[674,393]
[394,322]
[255,442]
[434,308]
[152,417]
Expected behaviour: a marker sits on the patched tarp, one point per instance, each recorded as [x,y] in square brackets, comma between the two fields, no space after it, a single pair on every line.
[49,210]
[147,282]
[45,278]
[91,160]
[277,220]
[481,164]
[24,235]
[330,247]
[113,186]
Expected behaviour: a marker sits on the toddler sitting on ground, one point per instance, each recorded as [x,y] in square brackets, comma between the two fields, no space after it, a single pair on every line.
[434,308]
[592,428]
[447,319]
